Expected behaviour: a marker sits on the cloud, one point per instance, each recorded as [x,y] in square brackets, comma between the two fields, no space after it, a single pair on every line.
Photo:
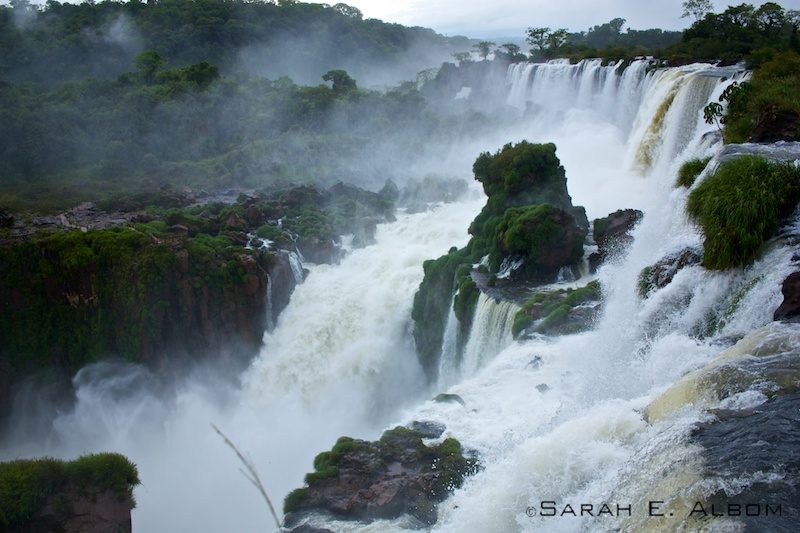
[511,17]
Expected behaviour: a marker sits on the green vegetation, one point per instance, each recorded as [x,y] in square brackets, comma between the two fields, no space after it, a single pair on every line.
[690,170]
[26,485]
[326,464]
[73,297]
[740,206]
[535,231]
[367,461]
[118,99]
[767,108]
[526,216]
[644,283]
[553,309]
[739,32]
[63,41]
[294,500]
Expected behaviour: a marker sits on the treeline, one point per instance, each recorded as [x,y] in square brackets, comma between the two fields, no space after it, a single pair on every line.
[64,41]
[740,32]
[190,126]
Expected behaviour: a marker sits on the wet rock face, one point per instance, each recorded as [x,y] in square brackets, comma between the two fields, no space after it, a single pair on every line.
[320,251]
[661,273]
[790,307]
[776,125]
[388,478]
[612,234]
[74,511]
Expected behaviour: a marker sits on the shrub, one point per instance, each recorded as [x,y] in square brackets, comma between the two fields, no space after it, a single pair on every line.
[690,170]
[25,485]
[740,206]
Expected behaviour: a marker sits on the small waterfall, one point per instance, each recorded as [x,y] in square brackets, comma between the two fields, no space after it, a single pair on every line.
[558,86]
[449,360]
[296,262]
[490,332]
[270,318]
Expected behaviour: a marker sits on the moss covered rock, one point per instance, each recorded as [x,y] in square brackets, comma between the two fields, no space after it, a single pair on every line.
[528,219]
[545,237]
[395,475]
[93,493]
[558,312]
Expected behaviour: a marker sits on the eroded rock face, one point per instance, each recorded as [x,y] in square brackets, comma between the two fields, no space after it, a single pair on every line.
[776,125]
[74,511]
[790,307]
[393,476]
[319,251]
[612,234]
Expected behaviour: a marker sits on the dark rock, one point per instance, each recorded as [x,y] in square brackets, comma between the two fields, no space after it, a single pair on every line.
[427,428]
[542,387]
[305,528]
[790,307]
[254,215]
[776,124]
[612,234]
[6,219]
[536,362]
[319,251]
[234,222]
[660,274]
[74,511]
[558,312]
[384,479]
[449,398]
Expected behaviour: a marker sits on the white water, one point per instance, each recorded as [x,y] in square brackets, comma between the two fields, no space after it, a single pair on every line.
[340,361]
[490,332]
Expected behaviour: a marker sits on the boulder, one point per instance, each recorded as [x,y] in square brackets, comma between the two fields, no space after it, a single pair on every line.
[661,273]
[384,479]
[427,429]
[545,237]
[612,234]
[790,307]
[319,251]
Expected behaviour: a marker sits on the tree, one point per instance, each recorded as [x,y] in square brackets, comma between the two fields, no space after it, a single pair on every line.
[483,48]
[148,62]
[770,18]
[511,49]
[348,11]
[462,56]
[342,82]
[697,8]
[537,37]
[557,38]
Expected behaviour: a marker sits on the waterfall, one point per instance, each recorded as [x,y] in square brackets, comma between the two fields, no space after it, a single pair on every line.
[296,262]
[561,419]
[490,332]
[551,418]
[449,361]
[270,317]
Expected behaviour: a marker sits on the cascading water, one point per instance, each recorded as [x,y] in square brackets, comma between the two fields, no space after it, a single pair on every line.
[490,332]
[561,419]
[551,418]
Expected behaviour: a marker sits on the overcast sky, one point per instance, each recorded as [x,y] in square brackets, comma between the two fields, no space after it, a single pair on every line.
[509,18]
